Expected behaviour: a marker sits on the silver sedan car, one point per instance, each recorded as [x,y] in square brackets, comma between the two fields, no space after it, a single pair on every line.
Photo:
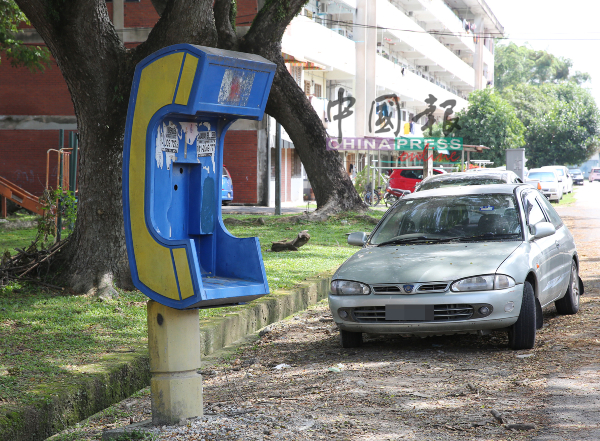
[459,260]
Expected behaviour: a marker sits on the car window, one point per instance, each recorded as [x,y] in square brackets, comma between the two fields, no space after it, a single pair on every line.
[518,181]
[411,174]
[550,212]
[436,172]
[542,176]
[533,212]
[468,217]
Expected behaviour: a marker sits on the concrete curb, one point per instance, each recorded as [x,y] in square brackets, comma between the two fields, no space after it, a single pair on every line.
[120,375]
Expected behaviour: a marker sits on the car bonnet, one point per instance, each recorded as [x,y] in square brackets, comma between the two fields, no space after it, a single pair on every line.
[425,263]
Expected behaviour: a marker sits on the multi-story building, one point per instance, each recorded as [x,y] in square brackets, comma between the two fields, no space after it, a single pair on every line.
[425,56]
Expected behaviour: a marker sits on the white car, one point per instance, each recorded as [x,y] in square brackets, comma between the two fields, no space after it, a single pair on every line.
[564,177]
[546,181]
[458,260]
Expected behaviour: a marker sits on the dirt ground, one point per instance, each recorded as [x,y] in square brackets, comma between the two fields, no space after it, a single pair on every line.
[297,383]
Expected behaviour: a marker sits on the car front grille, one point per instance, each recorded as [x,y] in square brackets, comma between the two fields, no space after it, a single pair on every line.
[410,288]
[441,313]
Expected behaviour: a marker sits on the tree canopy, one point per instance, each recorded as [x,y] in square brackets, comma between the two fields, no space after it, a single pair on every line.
[491,121]
[515,65]
[562,122]
[19,54]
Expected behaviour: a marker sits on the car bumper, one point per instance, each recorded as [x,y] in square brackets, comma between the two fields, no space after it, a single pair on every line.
[355,307]
[551,195]
[578,181]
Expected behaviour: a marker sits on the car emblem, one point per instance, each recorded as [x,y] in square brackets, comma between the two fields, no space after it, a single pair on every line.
[408,288]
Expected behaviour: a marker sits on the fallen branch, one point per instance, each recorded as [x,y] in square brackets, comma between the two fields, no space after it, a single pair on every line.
[291,245]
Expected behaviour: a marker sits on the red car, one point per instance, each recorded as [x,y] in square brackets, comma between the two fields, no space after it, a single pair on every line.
[405,178]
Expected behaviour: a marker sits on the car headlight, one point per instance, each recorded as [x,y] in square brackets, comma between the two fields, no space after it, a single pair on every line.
[483,283]
[348,288]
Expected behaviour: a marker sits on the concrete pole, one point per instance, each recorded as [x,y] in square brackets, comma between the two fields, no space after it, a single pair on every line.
[371,56]
[119,17]
[174,346]
[360,84]
[478,56]
[427,161]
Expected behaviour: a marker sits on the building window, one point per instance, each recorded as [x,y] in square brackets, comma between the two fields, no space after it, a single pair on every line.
[307,87]
[296,72]
[318,90]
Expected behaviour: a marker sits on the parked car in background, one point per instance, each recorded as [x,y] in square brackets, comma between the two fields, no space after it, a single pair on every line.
[577,176]
[227,187]
[405,178]
[469,178]
[564,177]
[458,260]
[546,181]
[594,174]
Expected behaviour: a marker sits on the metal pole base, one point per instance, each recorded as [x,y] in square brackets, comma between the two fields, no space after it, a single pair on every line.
[174,346]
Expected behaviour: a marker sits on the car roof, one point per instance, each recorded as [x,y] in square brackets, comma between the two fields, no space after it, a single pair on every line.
[416,167]
[470,189]
[464,175]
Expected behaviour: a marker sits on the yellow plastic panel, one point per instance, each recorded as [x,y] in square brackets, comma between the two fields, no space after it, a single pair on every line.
[156,90]
[187,79]
[183,272]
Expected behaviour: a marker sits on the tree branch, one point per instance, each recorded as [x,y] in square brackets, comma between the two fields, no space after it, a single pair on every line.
[181,21]
[271,21]
[224,15]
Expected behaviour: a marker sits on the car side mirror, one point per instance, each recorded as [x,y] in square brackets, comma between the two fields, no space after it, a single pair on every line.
[358,239]
[542,229]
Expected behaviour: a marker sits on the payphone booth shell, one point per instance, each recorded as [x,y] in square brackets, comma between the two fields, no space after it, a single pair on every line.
[183,100]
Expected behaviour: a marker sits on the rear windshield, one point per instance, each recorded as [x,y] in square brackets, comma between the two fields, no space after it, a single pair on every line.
[542,176]
[458,182]
[596,170]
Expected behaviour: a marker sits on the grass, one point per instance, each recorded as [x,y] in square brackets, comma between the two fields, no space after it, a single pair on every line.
[10,239]
[568,198]
[49,337]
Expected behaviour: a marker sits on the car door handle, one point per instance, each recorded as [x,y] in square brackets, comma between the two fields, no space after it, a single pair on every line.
[557,244]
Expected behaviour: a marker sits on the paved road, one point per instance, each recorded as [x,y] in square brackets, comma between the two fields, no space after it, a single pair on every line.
[575,396]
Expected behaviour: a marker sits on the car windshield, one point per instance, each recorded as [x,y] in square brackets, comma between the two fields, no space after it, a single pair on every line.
[475,217]
[438,183]
[542,176]
[575,171]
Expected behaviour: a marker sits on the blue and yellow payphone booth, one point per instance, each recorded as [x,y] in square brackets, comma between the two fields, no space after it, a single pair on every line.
[183,100]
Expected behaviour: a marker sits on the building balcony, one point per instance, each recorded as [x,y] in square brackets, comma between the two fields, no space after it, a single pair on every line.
[306,40]
[413,88]
[439,17]
[423,48]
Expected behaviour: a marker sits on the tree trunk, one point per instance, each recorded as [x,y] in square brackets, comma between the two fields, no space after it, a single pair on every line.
[98,70]
[331,184]
[289,106]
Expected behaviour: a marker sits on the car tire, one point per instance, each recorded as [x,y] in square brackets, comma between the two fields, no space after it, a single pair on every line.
[351,339]
[569,304]
[521,335]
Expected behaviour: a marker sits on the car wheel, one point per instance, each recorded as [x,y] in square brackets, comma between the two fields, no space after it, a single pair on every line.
[521,335]
[351,339]
[569,304]
[390,200]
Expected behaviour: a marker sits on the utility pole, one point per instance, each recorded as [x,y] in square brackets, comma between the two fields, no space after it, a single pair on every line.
[278,170]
